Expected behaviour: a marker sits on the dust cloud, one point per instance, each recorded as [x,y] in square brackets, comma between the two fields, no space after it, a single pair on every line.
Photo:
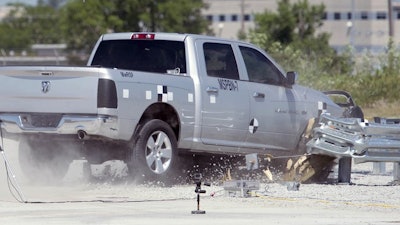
[12,172]
[28,180]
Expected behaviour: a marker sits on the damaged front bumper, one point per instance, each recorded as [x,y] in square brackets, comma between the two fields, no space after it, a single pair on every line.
[356,138]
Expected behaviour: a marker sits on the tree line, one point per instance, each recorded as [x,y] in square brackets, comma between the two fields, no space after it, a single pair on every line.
[289,35]
[79,23]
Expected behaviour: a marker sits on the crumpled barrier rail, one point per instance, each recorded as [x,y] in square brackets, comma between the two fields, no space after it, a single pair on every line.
[356,138]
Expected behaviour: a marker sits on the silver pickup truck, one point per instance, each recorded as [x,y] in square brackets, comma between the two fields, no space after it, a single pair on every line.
[152,99]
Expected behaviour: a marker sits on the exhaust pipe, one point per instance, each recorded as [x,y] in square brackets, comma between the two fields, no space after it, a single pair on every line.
[82,135]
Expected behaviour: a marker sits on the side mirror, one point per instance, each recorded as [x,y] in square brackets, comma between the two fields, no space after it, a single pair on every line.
[291,77]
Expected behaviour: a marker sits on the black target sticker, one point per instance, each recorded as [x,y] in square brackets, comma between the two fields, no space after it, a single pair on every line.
[253,126]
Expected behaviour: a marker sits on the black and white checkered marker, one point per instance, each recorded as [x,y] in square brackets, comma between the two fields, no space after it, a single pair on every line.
[321,108]
[162,93]
[253,126]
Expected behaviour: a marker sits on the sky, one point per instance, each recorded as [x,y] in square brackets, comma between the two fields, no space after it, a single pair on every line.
[30,2]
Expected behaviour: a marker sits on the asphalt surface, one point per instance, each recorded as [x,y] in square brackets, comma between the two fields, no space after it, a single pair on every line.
[371,199]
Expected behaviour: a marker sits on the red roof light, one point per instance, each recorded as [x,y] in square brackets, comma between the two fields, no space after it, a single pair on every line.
[143,36]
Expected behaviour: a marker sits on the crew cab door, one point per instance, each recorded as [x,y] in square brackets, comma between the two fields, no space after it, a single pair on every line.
[225,104]
[276,112]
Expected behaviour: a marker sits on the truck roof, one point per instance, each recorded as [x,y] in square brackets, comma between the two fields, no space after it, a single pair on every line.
[159,36]
[145,35]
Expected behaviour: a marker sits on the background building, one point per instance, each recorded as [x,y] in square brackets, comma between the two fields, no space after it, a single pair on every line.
[364,24]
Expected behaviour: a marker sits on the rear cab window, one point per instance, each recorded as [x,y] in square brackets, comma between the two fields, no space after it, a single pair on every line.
[156,56]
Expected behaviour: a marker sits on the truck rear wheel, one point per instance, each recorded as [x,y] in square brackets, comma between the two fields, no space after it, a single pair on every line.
[155,155]
[44,160]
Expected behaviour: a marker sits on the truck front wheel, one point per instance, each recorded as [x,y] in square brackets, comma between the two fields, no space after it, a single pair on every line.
[154,156]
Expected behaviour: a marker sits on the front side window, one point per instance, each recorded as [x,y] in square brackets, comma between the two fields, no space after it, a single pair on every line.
[259,68]
[220,61]
[158,56]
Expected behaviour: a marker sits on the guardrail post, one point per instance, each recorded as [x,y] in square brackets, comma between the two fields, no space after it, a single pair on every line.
[396,171]
[344,170]
[379,168]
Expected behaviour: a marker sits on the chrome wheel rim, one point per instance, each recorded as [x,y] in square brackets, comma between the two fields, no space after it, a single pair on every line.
[158,152]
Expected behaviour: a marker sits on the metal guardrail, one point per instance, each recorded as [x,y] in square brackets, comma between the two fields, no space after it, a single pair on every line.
[380,167]
[358,139]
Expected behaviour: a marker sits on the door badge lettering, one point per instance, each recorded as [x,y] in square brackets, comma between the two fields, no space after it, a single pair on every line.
[228,85]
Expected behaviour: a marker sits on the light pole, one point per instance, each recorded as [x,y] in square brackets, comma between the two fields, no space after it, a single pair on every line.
[350,24]
[390,18]
[220,28]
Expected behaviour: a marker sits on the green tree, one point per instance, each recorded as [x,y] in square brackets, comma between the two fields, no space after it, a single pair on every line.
[279,26]
[80,23]
[294,24]
[26,25]
[289,34]
[55,4]
[84,21]
[180,16]
[12,33]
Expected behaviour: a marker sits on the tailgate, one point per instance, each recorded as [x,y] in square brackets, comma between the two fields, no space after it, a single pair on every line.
[49,89]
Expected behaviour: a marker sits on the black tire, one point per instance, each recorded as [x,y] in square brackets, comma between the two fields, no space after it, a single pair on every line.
[45,160]
[309,168]
[155,156]
[320,166]
[304,169]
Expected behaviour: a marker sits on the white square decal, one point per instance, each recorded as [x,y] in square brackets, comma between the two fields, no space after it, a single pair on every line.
[190,97]
[170,96]
[148,95]
[125,93]
[213,99]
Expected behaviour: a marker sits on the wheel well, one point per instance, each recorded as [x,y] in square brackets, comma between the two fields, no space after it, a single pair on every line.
[162,112]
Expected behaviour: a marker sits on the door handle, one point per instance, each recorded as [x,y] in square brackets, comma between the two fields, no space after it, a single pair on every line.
[212,90]
[258,95]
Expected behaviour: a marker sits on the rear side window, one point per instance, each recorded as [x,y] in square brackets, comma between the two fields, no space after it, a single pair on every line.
[220,61]
[157,56]
[259,68]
